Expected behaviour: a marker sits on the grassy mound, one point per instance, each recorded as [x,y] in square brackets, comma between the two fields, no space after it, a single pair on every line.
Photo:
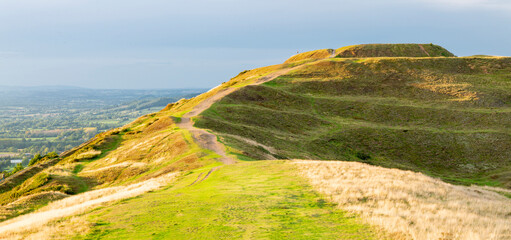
[447,117]
[392,50]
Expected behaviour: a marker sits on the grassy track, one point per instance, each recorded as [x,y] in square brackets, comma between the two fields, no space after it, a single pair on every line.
[251,200]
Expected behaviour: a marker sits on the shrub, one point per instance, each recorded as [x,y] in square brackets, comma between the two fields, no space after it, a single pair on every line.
[362,156]
[52,155]
[35,159]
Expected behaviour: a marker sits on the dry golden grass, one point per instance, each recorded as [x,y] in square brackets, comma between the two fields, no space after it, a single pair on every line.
[45,223]
[25,204]
[151,144]
[311,55]
[447,85]
[88,155]
[412,204]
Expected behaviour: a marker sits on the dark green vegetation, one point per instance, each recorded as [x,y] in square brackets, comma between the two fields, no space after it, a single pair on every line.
[47,119]
[260,200]
[393,50]
[446,117]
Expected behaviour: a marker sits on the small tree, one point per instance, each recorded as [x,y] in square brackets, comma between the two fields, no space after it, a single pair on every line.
[52,155]
[35,159]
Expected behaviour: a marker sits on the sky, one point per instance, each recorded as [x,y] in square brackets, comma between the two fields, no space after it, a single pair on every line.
[151,44]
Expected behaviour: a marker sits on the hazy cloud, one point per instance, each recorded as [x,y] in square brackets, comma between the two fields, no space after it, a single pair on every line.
[499,5]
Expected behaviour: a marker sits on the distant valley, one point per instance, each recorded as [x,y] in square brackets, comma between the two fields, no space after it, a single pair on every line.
[57,118]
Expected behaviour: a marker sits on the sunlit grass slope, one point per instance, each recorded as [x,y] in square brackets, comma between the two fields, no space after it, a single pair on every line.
[446,117]
[149,147]
[311,55]
[255,200]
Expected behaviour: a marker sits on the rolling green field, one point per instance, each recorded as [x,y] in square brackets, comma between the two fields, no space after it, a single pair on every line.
[251,200]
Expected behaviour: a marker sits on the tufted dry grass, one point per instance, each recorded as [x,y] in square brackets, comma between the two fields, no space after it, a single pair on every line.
[412,204]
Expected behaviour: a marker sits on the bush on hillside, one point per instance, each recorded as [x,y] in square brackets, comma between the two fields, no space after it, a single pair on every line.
[35,159]
[52,155]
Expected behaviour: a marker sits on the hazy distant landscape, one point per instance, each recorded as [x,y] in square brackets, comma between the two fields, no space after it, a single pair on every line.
[55,119]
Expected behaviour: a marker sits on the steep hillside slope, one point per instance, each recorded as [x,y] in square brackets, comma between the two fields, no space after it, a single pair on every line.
[149,147]
[446,117]
[152,145]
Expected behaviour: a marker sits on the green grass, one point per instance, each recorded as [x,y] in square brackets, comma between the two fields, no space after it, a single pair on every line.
[340,109]
[393,50]
[251,200]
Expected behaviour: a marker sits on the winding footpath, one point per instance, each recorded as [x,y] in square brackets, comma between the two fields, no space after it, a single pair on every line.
[208,140]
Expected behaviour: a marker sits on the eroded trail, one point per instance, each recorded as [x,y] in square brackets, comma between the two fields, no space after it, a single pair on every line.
[208,140]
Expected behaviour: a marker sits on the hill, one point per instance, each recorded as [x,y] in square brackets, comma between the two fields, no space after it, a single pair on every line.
[392,50]
[446,117]
[191,170]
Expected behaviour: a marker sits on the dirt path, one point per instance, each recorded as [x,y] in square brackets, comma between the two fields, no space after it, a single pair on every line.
[424,50]
[199,179]
[208,140]
[266,156]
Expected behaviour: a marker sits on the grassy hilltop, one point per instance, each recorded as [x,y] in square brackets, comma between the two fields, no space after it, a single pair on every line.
[394,106]
[444,116]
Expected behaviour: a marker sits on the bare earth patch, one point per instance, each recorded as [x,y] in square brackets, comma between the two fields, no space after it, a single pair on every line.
[410,203]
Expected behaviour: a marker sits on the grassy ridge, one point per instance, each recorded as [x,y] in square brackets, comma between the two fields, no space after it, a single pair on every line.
[392,50]
[447,117]
[256,200]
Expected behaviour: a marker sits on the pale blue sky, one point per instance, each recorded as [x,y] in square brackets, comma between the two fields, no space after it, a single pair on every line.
[201,43]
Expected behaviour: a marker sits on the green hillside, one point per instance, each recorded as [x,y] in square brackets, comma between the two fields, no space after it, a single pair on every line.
[446,117]
[191,171]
